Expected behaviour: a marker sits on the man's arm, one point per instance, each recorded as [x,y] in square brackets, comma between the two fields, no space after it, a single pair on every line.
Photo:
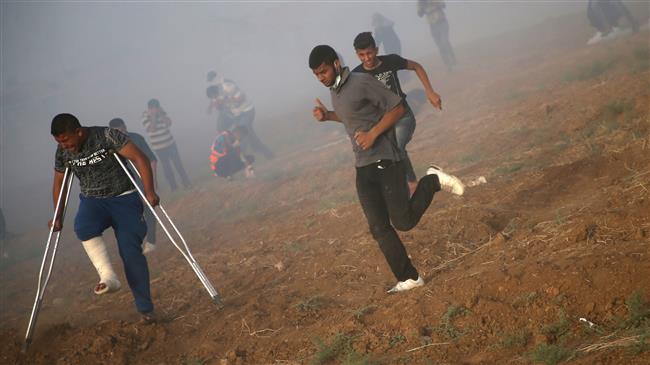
[366,139]
[57,185]
[321,113]
[433,96]
[141,162]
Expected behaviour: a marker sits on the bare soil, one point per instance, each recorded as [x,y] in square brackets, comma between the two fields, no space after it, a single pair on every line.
[560,232]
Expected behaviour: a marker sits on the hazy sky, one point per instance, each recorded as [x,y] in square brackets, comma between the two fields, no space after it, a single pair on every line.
[100,60]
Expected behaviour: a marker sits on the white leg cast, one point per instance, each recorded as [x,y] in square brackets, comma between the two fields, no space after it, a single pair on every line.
[98,255]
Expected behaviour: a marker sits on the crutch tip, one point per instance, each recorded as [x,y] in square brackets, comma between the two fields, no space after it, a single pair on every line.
[25,346]
[217,301]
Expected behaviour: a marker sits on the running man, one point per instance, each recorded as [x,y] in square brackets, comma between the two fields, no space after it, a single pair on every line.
[107,199]
[369,111]
[384,69]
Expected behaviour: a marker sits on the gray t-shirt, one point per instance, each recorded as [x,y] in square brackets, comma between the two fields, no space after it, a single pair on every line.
[360,102]
[99,174]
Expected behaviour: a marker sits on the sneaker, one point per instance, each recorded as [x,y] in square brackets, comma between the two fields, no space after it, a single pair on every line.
[595,39]
[448,183]
[406,285]
[148,247]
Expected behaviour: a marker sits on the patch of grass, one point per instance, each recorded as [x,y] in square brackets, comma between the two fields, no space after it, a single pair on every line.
[359,313]
[312,304]
[519,338]
[558,329]
[525,299]
[550,354]
[340,349]
[559,219]
[638,310]
[589,71]
[194,361]
[643,343]
[396,340]
[641,59]
[447,327]
[509,169]
[471,158]
[293,246]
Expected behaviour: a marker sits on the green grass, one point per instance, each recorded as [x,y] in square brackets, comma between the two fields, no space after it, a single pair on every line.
[447,328]
[194,361]
[589,71]
[550,354]
[558,329]
[638,310]
[509,169]
[525,299]
[340,349]
[519,338]
[312,304]
[359,313]
[396,340]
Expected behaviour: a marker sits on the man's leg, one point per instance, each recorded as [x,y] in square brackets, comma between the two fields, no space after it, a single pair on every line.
[176,159]
[164,157]
[246,120]
[404,130]
[91,221]
[130,229]
[374,208]
[440,33]
[405,213]
[150,239]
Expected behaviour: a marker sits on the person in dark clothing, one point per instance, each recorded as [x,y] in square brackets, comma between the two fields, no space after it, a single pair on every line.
[157,124]
[604,15]
[226,158]
[384,69]
[385,34]
[107,199]
[139,141]
[369,111]
[434,10]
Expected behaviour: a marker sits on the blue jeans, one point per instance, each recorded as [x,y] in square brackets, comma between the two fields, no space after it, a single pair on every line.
[124,214]
[404,129]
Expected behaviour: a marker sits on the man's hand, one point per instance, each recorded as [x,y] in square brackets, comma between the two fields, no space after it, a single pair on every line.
[152,198]
[365,140]
[320,111]
[435,100]
[58,225]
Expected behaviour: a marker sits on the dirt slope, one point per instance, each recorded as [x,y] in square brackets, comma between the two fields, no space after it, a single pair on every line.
[560,232]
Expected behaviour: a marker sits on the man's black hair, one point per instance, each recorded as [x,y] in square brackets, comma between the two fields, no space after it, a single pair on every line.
[364,40]
[116,123]
[212,91]
[322,54]
[63,123]
[211,76]
[153,103]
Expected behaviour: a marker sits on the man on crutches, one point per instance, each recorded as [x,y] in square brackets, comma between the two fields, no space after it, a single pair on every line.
[108,199]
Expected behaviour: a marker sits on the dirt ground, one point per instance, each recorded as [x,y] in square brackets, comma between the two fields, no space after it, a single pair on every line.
[560,233]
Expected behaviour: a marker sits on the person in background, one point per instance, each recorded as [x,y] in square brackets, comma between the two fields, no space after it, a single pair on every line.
[604,15]
[139,141]
[157,124]
[226,158]
[385,34]
[384,69]
[434,11]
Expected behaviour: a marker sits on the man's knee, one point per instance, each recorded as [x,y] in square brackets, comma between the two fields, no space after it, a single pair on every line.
[403,225]
[379,231]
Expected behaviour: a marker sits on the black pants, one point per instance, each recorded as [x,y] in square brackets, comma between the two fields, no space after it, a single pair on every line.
[168,156]
[231,164]
[440,34]
[384,197]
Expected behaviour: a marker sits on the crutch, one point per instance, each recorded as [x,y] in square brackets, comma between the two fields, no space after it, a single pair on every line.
[185,250]
[66,186]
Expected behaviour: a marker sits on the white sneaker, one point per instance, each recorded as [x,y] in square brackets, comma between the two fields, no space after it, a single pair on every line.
[448,183]
[406,285]
[148,247]
[595,39]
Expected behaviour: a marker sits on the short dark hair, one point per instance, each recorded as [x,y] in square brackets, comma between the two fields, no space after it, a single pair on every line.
[116,123]
[364,40]
[153,103]
[63,123]
[322,54]
[212,91]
